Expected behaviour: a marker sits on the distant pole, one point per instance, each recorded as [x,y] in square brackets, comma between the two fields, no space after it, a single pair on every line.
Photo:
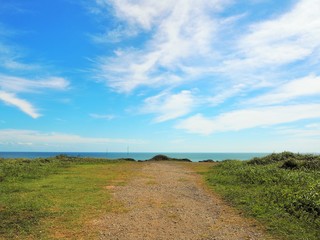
[128,150]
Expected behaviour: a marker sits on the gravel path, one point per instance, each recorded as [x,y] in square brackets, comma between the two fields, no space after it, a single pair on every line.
[167,201]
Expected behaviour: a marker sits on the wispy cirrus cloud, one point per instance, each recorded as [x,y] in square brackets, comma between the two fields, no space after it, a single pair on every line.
[184,41]
[273,45]
[40,139]
[180,40]
[294,89]
[249,118]
[10,86]
[23,105]
[102,116]
[11,55]
[272,51]
[222,94]
[12,67]
[19,84]
[167,106]
[301,132]
[292,36]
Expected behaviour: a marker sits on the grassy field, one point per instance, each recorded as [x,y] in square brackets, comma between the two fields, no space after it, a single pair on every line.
[57,197]
[281,190]
[62,197]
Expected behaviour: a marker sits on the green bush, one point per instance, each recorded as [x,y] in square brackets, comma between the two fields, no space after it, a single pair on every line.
[289,160]
[291,164]
[272,158]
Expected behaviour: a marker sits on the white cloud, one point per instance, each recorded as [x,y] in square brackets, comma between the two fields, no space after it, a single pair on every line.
[114,36]
[197,124]
[285,46]
[23,105]
[12,64]
[307,86]
[308,131]
[10,55]
[101,116]
[10,86]
[300,133]
[249,118]
[168,106]
[147,13]
[186,41]
[181,37]
[313,125]
[293,36]
[18,84]
[142,13]
[25,143]
[225,94]
[37,138]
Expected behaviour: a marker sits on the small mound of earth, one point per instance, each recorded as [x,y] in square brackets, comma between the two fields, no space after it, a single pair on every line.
[161,157]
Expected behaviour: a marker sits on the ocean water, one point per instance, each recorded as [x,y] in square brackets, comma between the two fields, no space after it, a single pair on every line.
[195,157]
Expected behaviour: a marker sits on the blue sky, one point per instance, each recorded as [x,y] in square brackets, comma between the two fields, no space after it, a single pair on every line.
[178,76]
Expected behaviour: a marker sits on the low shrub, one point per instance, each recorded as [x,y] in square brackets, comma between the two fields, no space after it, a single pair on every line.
[289,160]
[291,164]
[161,157]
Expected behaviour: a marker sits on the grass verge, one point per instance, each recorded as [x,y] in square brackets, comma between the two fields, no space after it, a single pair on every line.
[58,197]
[280,190]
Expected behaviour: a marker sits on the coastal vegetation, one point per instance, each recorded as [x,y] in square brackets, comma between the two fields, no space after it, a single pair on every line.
[281,190]
[56,198]
[161,157]
[60,197]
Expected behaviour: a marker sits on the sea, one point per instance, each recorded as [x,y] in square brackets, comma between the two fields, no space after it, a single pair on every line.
[195,157]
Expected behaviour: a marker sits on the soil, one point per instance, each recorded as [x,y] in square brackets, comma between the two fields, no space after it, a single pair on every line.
[168,200]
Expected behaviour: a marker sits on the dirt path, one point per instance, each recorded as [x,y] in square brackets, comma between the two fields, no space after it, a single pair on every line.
[166,201]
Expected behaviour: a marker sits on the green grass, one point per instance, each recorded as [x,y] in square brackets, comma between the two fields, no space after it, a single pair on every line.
[58,197]
[63,197]
[280,190]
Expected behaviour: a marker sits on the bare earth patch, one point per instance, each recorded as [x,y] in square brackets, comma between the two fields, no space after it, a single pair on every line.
[167,201]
